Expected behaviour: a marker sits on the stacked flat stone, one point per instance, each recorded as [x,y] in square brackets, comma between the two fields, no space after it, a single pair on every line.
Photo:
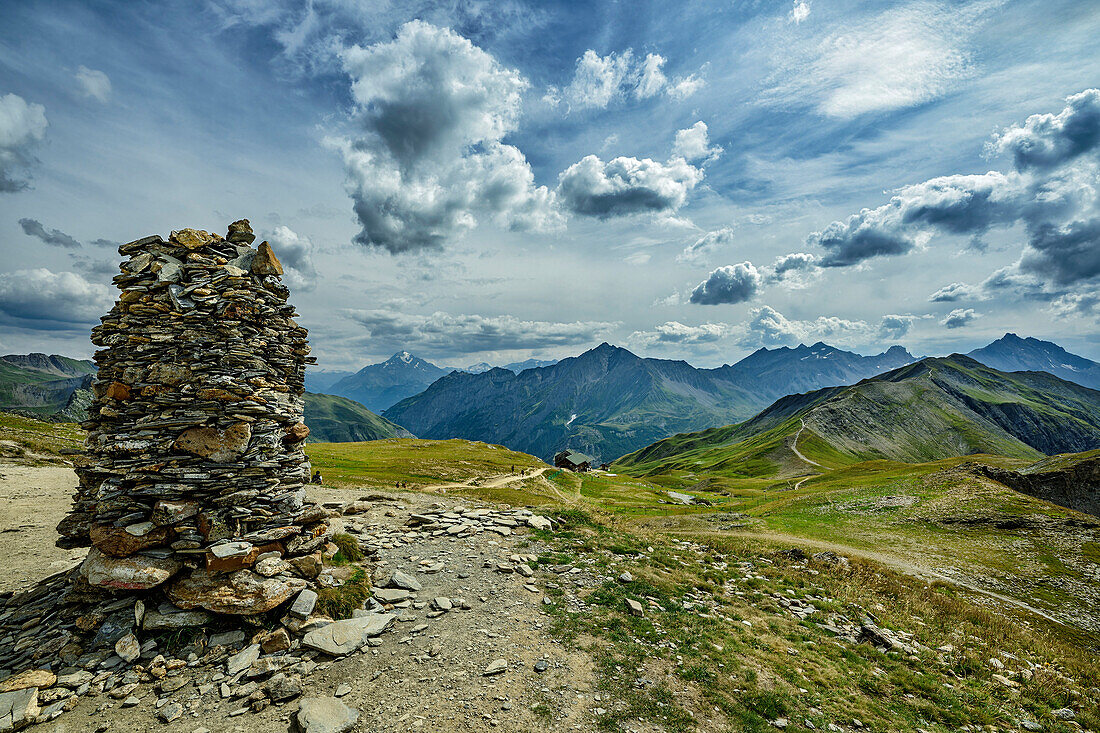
[194,467]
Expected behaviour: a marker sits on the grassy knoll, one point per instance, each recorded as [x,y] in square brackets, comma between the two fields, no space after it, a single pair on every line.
[384,463]
[37,437]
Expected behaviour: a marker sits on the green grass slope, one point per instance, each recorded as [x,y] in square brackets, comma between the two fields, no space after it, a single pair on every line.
[333,419]
[930,410]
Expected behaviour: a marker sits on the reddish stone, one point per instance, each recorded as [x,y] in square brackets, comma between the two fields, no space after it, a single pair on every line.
[297,433]
[118,391]
[117,542]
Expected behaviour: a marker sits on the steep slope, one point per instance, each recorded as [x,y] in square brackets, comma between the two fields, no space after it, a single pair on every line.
[1070,480]
[382,385]
[1010,353]
[608,401]
[932,409]
[333,419]
[43,386]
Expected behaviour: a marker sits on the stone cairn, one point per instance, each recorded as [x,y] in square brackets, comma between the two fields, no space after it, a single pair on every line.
[194,466]
[191,500]
[191,492]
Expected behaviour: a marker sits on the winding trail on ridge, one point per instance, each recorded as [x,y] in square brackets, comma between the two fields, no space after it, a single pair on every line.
[495,483]
[794,447]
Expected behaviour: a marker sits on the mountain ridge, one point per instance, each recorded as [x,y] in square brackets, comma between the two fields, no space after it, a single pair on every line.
[608,401]
[935,408]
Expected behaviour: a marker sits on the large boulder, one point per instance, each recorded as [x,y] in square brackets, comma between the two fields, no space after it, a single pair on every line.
[19,709]
[136,572]
[241,593]
[325,715]
[344,637]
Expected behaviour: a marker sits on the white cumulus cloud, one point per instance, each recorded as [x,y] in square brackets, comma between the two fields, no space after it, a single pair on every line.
[624,186]
[693,143]
[46,300]
[599,81]
[427,158]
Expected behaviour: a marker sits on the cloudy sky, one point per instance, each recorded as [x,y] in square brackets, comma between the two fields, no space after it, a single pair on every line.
[493,180]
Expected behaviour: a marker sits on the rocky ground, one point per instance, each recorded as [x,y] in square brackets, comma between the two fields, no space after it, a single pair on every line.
[432,669]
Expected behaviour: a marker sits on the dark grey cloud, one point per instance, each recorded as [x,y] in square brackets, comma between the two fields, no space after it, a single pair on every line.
[52,237]
[22,128]
[1049,140]
[959,317]
[960,204]
[1053,193]
[427,157]
[728,285]
[1064,254]
[446,334]
[47,300]
[625,186]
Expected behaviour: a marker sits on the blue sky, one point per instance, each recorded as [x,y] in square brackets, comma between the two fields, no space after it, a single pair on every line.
[506,179]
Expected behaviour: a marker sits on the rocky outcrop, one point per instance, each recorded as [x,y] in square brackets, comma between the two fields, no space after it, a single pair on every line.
[1070,480]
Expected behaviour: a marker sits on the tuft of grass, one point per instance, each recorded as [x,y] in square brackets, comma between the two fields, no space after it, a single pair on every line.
[348,549]
[341,602]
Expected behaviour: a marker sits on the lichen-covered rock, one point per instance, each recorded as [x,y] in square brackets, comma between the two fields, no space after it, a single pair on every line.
[220,446]
[41,678]
[136,572]
[239,593]
[265,262]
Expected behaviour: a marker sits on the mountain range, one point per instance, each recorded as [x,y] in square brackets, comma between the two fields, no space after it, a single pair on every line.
[609,401]
[379,386]
[382,385]
[932,409]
